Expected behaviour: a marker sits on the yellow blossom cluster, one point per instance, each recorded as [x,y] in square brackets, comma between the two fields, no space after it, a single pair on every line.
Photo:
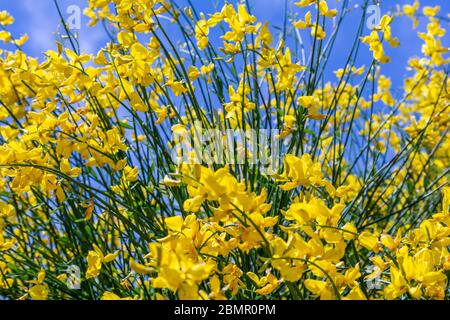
[357,209]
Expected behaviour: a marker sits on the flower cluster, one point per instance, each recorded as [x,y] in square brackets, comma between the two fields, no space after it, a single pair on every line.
[358,208]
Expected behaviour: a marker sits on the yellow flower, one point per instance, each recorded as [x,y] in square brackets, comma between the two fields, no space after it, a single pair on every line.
[267,284]
[304,3]
[66,169]
[369,241]
[323,8]
[431,11]
[304,24]
[300,172]
[40,290]
[320,288]
[6,18]
[139,268]
[5,244]
[96,259]
[131,173]
[112,296]
[193,73]
[410,11]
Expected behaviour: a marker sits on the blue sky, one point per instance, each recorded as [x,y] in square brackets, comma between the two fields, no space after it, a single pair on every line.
[40,20]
